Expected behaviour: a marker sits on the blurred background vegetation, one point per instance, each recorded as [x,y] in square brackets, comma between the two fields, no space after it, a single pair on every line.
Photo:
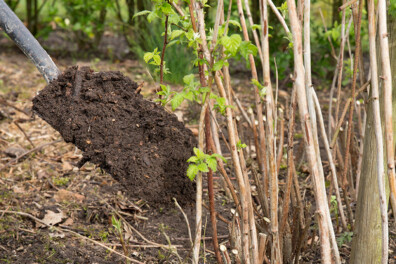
[106,29]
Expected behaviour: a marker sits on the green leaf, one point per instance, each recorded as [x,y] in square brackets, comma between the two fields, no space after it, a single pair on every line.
[247,48]
[189,95]
[141,13]
[157,60]
[151,17]
[193,159]
[174,19]
[235,23]
[148,56]
[212,163]
[216,155]
[257,83]
[200,155]
[166,8]
[204,90]
[256,27]
[203,167]
[192,171]
[232,43]
[177,100]
[218,65]
[176,33]
[188,79]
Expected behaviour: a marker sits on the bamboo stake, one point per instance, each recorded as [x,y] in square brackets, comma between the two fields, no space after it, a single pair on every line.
[378,129]
[320,191]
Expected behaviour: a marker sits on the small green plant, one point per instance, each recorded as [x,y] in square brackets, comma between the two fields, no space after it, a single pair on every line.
[334,206]
[61,181]
[202,162]
[240,145]
[345,237]
[117,224]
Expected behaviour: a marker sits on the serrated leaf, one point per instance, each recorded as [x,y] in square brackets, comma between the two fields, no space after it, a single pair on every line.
[188,79]
[204,90]
[213,96]
[189,95]
[193,159]
[221,100]
[157,60]
[199,153]
[235,23]
[218,65]
[177,100]
[247,48]
[151,17]
[216,155]
[212,163]
[148,56]
[166,8]
[141,13]
[176,33]
[192,171]
[203,167]
[174,19]
[232,43]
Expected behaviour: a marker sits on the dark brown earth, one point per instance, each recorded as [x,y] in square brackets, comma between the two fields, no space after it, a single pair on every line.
[141,145]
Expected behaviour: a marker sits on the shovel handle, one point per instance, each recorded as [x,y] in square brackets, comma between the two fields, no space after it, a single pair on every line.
[22,37]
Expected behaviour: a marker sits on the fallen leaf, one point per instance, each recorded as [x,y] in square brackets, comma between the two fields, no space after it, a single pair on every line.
[14,151]
[69,221]
[52,218]
[66,166]
[65,195]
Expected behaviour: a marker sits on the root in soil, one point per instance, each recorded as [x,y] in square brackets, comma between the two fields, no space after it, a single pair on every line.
[141,145]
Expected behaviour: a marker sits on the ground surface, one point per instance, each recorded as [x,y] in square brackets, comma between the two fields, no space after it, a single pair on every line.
[46,184]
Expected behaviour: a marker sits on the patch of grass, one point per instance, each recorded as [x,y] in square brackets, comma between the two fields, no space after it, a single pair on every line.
[61,181]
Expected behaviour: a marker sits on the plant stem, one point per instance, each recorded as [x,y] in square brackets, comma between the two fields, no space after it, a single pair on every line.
[320,191]
[378,129]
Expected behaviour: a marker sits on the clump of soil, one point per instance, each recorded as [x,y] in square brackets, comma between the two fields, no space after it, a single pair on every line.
[141,145]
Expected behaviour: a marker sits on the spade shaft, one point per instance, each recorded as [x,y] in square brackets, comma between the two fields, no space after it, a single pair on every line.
[16,30]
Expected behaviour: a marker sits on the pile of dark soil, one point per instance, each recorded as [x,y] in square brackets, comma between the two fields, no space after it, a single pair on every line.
[141,145]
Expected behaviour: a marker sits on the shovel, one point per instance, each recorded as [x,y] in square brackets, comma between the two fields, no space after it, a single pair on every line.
[141,145]
[22,37]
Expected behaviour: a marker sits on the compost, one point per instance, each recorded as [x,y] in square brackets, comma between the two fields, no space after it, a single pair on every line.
[141,145]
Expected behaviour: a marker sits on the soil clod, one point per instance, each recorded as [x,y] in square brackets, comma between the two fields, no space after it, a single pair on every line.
[141,145]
